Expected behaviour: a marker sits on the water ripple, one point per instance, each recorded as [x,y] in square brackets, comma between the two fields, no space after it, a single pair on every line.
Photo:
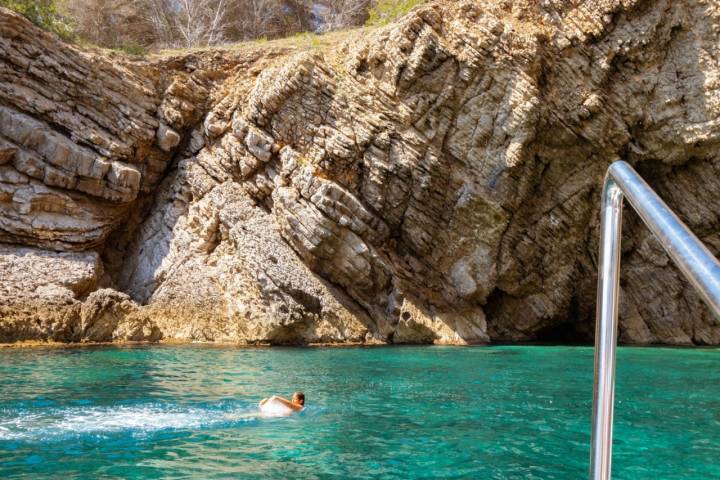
[391,413]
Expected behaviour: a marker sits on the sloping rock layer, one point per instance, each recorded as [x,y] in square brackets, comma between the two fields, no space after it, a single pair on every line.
[433,181]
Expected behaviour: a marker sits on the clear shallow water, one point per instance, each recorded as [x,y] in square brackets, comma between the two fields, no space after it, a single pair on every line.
[402,412]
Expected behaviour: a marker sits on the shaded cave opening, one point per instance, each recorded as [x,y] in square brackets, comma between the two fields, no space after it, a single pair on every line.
[576,327]
[568,332]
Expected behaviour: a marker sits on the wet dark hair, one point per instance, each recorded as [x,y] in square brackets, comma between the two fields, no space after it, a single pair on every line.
[300,396]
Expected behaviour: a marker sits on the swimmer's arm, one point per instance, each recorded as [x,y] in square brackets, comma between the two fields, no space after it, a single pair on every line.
[265,400]
[289,404]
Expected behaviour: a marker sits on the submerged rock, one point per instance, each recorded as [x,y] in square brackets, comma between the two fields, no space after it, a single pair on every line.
[433,181]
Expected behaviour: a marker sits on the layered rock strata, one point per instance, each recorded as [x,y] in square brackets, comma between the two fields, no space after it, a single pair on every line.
[433,181]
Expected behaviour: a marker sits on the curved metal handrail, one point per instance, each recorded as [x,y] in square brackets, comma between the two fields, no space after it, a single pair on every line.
[696,262]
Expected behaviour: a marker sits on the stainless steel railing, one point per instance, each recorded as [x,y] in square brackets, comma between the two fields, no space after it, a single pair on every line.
[692,258]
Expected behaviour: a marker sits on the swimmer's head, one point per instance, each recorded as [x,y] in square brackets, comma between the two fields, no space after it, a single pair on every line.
[299,398]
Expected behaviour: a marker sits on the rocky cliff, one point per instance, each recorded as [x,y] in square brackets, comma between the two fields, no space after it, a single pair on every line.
[436,180]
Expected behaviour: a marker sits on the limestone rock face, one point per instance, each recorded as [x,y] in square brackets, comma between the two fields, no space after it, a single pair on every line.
[47,296]
[78,138]
[40,291]
[108,315]
[433,181]
[225,274]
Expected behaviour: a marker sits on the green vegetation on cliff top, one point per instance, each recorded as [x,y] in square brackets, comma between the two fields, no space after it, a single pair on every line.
[76,21]
[43,13]
[386,11]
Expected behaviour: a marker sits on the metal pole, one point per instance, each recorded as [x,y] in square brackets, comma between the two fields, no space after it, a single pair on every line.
[691,256]
[606,330]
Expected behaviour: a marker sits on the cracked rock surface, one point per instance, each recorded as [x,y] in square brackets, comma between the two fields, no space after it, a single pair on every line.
[433,181]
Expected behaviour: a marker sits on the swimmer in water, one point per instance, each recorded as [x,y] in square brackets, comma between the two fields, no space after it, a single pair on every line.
[296,404]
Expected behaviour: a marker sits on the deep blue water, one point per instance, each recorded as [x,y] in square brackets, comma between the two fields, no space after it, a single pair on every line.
[402,412]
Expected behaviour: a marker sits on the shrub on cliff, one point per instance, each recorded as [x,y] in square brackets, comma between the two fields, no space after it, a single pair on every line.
[44,13]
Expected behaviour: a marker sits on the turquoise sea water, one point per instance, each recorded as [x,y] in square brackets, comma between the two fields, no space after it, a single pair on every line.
[402,412]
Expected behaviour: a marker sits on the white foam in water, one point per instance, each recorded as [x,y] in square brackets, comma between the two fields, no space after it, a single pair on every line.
[100,420]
